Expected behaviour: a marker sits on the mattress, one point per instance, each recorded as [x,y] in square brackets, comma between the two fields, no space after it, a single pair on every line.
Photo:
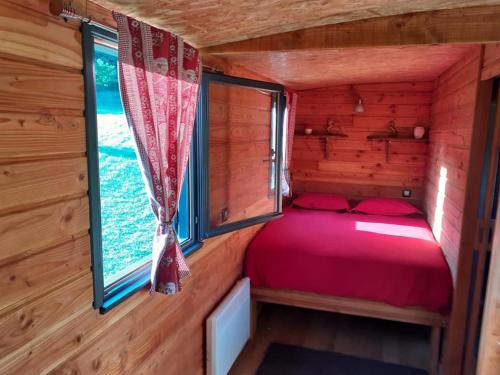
[394,260]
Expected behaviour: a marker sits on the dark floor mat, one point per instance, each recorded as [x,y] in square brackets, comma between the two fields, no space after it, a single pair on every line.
[292,360]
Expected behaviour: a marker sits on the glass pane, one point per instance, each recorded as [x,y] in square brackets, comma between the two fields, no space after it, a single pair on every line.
[272,180]
[242,126]
[128,223]
[183,216]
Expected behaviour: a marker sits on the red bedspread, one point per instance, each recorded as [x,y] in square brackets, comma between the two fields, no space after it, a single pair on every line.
[395,260]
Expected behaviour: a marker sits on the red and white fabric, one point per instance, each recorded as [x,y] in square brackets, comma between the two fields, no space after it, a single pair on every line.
[159,79]
[291,108]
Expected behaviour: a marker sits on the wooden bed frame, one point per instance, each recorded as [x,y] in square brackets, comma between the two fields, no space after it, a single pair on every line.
[358,307]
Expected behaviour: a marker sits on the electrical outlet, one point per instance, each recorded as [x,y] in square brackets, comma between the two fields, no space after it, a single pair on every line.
[224,214]
[406,193]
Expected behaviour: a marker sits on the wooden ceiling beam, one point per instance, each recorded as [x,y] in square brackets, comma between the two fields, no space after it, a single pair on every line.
[451,26]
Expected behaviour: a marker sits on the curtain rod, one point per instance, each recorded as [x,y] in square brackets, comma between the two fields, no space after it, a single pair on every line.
[67,10]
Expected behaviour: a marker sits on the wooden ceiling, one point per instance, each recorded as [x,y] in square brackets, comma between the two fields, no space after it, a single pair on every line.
[212,22]
[302,70]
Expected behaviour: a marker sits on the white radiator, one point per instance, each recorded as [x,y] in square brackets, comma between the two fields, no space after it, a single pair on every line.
[228,329]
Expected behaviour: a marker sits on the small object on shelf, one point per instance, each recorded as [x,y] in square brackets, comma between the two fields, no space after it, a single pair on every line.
[389,139]
[330,126]
[391,127]
[308,131]
[334,130]
[393,134]
[325,140]
[419,132]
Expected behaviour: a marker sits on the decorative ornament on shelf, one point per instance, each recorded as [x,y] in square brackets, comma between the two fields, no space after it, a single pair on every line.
[308,131]
[419,130]
[334,129]
[391,128]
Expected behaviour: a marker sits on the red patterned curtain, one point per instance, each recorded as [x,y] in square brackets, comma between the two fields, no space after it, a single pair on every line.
[159,80]
[291,107]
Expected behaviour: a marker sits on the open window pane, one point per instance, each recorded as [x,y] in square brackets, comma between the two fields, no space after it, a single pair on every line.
[241,124]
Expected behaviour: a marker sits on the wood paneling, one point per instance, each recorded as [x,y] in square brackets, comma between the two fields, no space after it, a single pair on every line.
[308,69]
[49,225]
[32,276]
[491,61]
[133,343]
[452,121]
[40,317]
[222,65]
[40,135]
[204,23]
[355,166]
[452,186]
[31,36]
[47,323]
[27,184]
[468,25]
[39,90]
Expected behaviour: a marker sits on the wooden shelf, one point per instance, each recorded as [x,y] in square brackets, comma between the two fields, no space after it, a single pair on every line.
[397,139]
[389,140]
[339,136]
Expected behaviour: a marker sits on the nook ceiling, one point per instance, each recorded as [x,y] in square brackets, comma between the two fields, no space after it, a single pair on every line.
[211,22]
[302,70]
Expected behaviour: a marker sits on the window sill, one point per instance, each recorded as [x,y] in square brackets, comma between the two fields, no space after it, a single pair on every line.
[125,289]
[135,282]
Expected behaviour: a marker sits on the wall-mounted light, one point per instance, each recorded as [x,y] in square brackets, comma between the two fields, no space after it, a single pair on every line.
[359,107]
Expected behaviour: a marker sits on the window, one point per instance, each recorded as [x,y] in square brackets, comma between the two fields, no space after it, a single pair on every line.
[240,127]
[232,181]
[122,223]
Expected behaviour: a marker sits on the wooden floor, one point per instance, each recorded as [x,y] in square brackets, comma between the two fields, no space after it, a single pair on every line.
[392,342]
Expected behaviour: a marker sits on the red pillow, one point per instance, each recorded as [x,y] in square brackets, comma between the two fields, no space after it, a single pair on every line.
[322,201]
[386,206]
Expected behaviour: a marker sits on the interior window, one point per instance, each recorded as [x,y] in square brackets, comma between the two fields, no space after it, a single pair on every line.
[122,223]
[242,155]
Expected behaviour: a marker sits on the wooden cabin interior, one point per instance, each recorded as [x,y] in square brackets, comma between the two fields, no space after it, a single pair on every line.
[359,79]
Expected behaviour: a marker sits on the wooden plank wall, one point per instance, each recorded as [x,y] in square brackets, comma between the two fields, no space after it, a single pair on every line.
[491,61]
[452,121]
[355,166]
[239,139]
[47,324]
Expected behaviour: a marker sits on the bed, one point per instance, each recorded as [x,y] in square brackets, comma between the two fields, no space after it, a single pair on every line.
[388,267]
